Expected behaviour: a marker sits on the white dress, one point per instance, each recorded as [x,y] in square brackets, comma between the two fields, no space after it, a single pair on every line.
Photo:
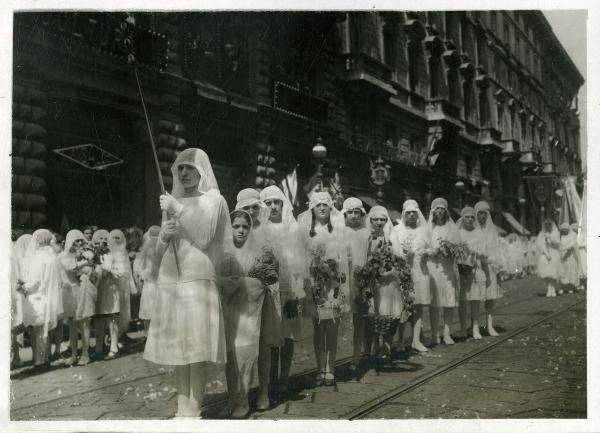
[40,274]
[548,264]
[333,246]
[187,319]
[569,265]
[473,284]
[284,242]
[388,296]
[357,241]
[81,292]
[444,273]
[406,239]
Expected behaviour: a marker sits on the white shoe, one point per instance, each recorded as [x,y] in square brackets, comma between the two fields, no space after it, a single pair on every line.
[419,347]
[476,333]
[492,331]
[448,339]
[560,292]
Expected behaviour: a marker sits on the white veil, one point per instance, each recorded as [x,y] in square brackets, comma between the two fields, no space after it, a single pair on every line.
[355,203]
[40,264]
[379,212]
[401,231]
[250,197]
[491,243]
[70,239]
[449,232]
[198,159]
[287,212]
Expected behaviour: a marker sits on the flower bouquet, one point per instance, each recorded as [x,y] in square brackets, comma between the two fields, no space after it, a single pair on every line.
[265,267]
[325,285]
[381,262]
[450,250]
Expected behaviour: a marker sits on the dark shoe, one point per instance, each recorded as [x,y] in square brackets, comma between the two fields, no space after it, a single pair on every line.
[353,370]
[319,381]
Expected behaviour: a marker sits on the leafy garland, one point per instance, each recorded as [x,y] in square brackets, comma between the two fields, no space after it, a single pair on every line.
[368,278]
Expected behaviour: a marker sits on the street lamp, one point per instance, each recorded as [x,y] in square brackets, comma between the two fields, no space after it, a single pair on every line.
[460,185]
[319,151]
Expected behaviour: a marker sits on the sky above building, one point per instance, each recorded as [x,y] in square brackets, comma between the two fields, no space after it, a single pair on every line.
[570,26]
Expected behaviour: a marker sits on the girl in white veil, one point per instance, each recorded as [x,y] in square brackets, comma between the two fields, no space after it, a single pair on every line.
[282,232]
[146,267]
[580,263]
[249,200]
[17,258]
[408,242]
[492,263]
[115,283]
[77,286]
[249,308]
[569,265]
[357,231]
[548,265]
[187,328]
[41,289]
[322,227]
[443,270]
[388,300]
[472,274]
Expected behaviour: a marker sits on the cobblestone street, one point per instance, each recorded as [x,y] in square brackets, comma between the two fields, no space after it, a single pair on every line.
[540,372]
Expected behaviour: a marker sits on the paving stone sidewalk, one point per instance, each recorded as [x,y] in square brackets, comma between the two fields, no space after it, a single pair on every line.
[132,388]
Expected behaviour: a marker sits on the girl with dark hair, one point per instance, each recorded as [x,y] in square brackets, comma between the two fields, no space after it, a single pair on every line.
[321,239]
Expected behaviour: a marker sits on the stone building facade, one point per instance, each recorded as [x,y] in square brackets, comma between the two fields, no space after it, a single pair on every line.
[458,104]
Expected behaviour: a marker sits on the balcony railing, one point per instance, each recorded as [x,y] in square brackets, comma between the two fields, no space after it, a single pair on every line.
[359,66]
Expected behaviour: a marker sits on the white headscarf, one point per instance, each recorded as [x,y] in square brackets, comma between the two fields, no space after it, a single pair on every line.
[381,212]
[117,242]
[554,237]
[320,197]
[409,206]
[448,231]
[21,245]
[200,161]
[39,240]
[474,238]
[98,234]
[18,258]
[247,253]
[355,203]
[287,211]
[70,239]
[491,244]
[251,197]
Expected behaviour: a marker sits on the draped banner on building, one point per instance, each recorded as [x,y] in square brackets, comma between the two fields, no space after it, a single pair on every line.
[541,192]
[571,208]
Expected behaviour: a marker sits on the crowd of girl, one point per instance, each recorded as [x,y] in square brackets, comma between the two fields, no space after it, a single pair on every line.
[234,287]
[87,284]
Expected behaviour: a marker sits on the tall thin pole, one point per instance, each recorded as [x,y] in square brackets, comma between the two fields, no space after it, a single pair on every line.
[157,165]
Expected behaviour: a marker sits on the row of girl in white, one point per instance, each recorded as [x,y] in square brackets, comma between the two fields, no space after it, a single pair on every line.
[213,307]
[49,286]
[559,261]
